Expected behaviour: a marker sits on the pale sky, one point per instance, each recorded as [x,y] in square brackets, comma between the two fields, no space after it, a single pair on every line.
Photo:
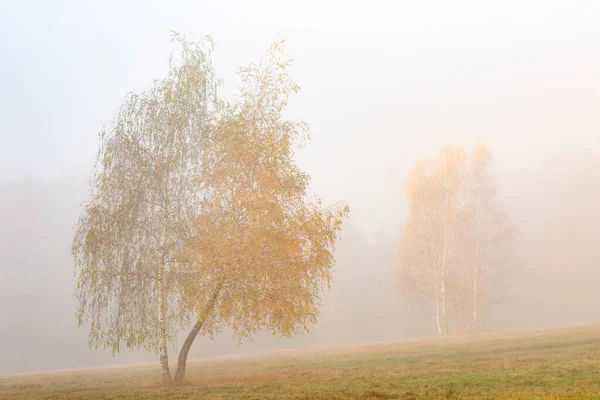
[384,83]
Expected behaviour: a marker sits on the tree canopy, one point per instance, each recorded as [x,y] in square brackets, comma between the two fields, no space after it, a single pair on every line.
[199,216]
[454,234]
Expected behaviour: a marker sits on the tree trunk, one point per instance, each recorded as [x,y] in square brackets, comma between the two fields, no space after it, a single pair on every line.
[164,351]
[437,309]
[185,349]
[476,266]
[475,301]
[444,308]
[445,257]
[164,363]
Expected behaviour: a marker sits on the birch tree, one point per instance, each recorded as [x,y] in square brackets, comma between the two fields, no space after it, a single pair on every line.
[262,249]
[431,233]
[200,217]
[144,194]
[488,230]
[455,234]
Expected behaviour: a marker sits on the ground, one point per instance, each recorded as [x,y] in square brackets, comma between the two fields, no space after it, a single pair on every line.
[555,363]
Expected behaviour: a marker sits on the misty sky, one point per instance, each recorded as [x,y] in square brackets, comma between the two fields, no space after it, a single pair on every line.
[384,83]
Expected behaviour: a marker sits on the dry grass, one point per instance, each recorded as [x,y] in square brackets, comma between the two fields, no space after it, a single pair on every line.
[557,363]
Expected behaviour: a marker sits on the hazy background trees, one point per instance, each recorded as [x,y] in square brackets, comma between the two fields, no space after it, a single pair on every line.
[455,236]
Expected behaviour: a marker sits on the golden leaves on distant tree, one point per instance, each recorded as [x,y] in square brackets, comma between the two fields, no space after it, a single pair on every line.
[454,234]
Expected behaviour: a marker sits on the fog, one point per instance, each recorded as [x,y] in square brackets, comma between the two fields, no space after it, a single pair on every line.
[382,87]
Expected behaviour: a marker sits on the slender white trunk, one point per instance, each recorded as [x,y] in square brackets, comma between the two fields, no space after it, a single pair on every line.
[476,266]
[469,313]
[475,301]
[437,309]
[162,285]
[164,354]
[445,256]
[443,301]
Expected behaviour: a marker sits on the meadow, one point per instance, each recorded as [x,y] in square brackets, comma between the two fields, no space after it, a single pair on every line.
[553,363]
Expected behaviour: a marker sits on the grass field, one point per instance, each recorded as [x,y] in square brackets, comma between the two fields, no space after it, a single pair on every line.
[556,363]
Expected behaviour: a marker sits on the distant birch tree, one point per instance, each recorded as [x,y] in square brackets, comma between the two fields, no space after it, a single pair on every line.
[455,234]
[488,230]
[431,234]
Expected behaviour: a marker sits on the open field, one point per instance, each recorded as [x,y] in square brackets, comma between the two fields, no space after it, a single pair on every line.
[556,363]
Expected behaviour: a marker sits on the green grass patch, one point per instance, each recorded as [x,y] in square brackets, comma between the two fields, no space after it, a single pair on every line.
[557,363]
